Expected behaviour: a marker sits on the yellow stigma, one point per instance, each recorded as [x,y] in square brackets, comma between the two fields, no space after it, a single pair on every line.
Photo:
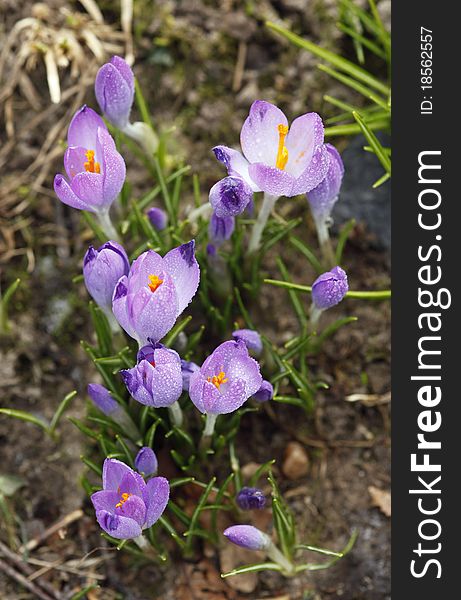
[218,380]
[123,499]
[154,282]
[90,165]
[282,152]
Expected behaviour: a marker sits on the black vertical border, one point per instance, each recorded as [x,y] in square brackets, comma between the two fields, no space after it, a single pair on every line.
[413,133]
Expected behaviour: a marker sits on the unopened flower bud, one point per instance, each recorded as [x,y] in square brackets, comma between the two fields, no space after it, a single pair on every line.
[251,498]
[230,196]
[248,537]
[158,218]
[265,392]
[329,288]
[146,462]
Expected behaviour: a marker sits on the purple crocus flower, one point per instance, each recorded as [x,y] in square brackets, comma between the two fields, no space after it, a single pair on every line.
[227,378]
[265,392]
[248,537]
[323,197]
[220,229]
[156,380]
[251,498]
[187,369]
[158,218]
[251,338]
[329,288]
[114,89]
[95,169]
[127,504]
[102,268]
[278,159]
[230,196]
[146,461]
[147,302]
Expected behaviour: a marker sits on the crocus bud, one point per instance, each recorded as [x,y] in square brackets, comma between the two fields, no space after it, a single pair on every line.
[158,218]
[187,368]
[156,380]
[251,338]
[102,268]
[230,196]
[103,400]
[146,462]
[329,288]
[250,498]
[248,537]
[220,229]
[265,392]
[114,89]
[323,197]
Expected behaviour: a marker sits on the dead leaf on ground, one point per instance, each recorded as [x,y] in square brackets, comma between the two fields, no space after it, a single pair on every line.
[381,499]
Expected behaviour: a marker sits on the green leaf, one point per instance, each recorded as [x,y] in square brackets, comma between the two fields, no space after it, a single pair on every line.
[25,416]
[61,409]
[332,329]
[335,59]
[378,295]
[357,86]
[165,192]
[197,511]
[354,129]
[362,40]
[267,566]
[94,226]
[171,337]
[297,306]
[374,143]
[307,252]
[172,531]
[5,300]
[259,471]
[336,555]
[342,239]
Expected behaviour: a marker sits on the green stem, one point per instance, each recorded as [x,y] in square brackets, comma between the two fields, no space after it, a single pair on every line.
[276,555]
[176,414]
[207,434]
[314,317]
[107,226]
[263,216]
[326,247]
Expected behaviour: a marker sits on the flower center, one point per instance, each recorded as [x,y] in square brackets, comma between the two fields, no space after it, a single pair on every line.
[154,282]
[282,152]
[218,380]
[90,165]
[123,499]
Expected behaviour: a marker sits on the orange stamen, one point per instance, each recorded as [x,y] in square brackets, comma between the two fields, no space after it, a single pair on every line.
[91,166]
[282,152]
[154,282]
[218,380]
[123,499]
